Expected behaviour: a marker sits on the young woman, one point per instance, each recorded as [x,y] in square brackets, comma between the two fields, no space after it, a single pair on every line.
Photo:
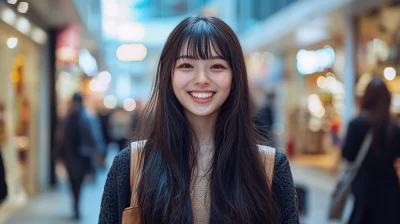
[201,163]
[376,187]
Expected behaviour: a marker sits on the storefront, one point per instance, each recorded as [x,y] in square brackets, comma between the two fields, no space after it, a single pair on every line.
[308,89]
[315,95]
[379,50]
[378,53]
[321,99]
[24,124]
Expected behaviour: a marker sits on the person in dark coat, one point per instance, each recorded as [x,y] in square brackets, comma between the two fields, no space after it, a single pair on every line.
[79,145]
[264,119]
[3,184]
[104,117]
[376,187]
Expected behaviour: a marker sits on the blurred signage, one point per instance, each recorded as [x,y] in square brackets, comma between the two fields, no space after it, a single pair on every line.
[309,62]
[68,43]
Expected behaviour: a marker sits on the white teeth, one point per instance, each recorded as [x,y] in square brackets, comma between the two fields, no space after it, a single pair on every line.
[202,95]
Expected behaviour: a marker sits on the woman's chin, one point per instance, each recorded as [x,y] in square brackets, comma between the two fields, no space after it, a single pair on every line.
[199,112]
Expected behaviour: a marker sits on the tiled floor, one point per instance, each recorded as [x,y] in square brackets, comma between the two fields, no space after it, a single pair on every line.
[319,184]
[317,173]
[55,206]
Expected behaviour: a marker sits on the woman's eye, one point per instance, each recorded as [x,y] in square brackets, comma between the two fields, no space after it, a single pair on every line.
[218,66]
[185,66]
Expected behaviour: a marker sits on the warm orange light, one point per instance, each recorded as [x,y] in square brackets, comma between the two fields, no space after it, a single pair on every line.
[15,77]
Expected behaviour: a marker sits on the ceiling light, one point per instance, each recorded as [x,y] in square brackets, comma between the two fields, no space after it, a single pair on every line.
[110,101]
[23,25]
[12,42]
[104,77]
[39,36]
[131,52]
[129,104]
[12,1]
[98,86]
[389,73]
[8,16]
[23,7]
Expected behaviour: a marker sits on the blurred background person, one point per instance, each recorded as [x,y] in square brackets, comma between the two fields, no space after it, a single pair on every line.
[3,184]
[79,145]
[264,119]
[103,115]
[136,117]
[376,187]
[96,156]
[120,127]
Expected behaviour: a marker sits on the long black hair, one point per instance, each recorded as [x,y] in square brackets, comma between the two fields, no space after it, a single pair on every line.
[376,102]
[239,189]
[375,108]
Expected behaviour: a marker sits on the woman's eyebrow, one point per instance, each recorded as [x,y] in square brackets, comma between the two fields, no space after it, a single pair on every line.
[194,58]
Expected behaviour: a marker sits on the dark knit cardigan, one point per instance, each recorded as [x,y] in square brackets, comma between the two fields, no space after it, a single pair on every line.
[117,193]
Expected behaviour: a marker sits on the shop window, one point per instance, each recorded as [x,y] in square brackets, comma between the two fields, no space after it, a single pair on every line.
[22,113]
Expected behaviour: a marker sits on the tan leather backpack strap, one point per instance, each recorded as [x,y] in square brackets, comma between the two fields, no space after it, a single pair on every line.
[131,167]
[136,149]
[268,154]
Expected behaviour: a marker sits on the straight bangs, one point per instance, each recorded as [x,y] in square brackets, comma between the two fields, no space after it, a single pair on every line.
[200,40]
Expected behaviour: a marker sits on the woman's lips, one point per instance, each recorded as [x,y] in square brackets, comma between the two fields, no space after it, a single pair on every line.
[201,97]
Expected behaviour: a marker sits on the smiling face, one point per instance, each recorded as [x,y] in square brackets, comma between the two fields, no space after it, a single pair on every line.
[201,86]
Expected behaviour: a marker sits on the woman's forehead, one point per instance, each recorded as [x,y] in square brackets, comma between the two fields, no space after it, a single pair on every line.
[197,51]
[189,54]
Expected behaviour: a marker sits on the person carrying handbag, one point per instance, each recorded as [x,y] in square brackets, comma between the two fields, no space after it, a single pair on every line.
[375,185]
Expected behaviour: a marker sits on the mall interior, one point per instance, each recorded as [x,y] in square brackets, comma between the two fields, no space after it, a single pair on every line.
[314,57]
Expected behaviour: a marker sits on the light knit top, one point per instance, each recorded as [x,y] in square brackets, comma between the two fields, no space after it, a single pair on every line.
[200,195]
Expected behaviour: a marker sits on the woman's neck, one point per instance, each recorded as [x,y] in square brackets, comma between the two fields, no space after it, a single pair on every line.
[204,127]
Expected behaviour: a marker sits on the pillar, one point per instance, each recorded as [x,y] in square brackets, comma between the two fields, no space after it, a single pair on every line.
[349,77]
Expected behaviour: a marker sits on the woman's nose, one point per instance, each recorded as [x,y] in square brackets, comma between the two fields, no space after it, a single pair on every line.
[201,78]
